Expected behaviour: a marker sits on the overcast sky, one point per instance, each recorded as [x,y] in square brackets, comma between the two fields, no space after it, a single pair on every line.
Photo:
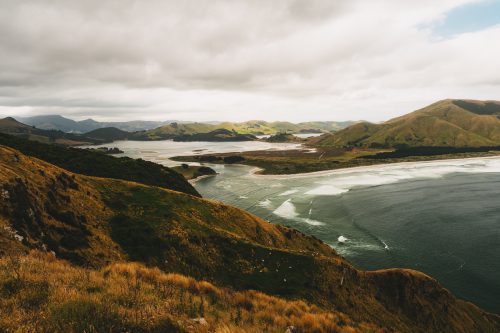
[294,60]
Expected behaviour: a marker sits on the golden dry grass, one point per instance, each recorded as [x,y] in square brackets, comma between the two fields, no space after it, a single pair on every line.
[43,294]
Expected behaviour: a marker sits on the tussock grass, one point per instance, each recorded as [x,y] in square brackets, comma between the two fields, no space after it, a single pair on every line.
[40,293]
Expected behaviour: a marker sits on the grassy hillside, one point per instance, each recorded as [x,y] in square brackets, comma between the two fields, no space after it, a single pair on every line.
[174,129]
[448,123]
[253,127]
[94,163]
[284,137]
[13,127]
[218,135]
[49,295]
[259,127]
[97,222]
[108,134]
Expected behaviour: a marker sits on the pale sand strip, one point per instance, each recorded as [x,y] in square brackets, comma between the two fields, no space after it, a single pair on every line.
[366,168]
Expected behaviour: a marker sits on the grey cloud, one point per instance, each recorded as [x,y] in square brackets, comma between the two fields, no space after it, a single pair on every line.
[224,57]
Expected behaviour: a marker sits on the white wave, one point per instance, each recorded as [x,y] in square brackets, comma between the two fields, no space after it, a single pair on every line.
[342,239]
[286,210]
[264,203]
[288,193]
[336,184]
[354,247]
[243,197]
[326,190]
[311,221]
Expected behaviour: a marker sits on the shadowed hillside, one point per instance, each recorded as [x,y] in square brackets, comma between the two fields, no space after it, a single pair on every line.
[96,222]
[60,123]
[94,163]
[448,123]
[13,127]
[108,134]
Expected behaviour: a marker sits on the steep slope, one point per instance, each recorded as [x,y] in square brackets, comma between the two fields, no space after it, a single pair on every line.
[13,127]
[93,163]
[449,123]
[96,221]
[49,295]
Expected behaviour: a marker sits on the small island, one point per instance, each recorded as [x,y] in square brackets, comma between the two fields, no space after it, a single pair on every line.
[107,151]
[284,137]
[191,172]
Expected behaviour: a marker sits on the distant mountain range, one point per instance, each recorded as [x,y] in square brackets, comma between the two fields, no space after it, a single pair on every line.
[57,122]
[447,123]
[57,129]
[255,127]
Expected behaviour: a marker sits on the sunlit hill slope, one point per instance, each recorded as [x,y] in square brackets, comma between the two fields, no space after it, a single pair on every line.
[97,222]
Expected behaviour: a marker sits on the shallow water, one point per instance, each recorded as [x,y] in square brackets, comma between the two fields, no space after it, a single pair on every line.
[160,151]
[442,217]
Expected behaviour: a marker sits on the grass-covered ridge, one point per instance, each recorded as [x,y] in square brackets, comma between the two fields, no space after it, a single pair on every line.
[447,123]
[98,222]
[93,163]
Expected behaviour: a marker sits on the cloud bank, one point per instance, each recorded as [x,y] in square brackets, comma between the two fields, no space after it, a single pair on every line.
[291,60]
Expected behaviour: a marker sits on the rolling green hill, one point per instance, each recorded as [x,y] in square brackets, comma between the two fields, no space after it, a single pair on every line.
[108,134]
[218,135]
[284,137]
[253,127]
[447,123]
[95,222]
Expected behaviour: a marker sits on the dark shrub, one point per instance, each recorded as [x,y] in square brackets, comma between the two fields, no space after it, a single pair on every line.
[233,159]
[34,294]
[206,171]
[10,287]
[83,316]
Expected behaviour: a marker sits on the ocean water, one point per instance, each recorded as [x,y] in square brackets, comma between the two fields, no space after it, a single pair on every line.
[441,217]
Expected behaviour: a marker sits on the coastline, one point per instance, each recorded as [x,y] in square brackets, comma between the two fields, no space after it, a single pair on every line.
[255,171]
[194,180]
